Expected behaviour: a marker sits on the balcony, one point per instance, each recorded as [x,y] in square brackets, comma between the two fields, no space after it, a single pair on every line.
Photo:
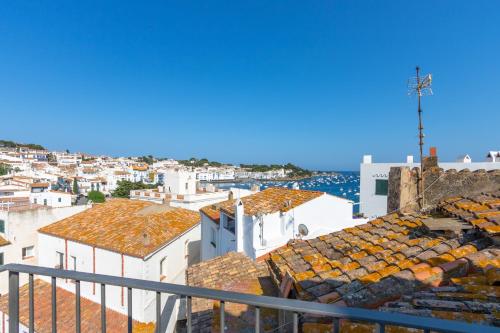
[294,308]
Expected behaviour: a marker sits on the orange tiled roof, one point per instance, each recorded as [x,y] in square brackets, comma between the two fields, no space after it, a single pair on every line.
[3,241]
[336,266]
[213,212]
[90,312]
[482,211]
[473,297]
[140,167]
[224,273]
[40,185]
[271,200]
[133,227]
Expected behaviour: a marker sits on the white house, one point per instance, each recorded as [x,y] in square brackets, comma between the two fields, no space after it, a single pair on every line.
[19,223]
[261,222]
[128,238]
[178,181]
[464,159]
[374,179]
[493,156]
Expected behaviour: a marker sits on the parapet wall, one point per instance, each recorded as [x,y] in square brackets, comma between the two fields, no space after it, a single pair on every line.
[438,184]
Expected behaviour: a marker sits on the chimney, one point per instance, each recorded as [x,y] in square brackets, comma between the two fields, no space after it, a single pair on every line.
[146,239]
[230,195]
[367,159]
[255,188]
[239,210]
[295,186]
[409,159]
[430,161]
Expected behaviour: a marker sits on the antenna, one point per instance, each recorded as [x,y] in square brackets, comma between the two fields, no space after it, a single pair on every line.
[421,87]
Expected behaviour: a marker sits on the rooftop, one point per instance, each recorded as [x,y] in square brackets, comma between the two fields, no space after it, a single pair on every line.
[270,200]
[132,227]
[90,312]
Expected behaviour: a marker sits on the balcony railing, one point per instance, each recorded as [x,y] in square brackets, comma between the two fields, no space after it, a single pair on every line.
[296,307]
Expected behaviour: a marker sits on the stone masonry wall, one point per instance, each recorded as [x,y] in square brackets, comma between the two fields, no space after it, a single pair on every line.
[438,184]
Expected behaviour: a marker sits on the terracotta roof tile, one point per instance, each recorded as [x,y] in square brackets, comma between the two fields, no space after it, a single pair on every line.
[90,312]
[133,227]
[271,200]
[3,241]
[482,211]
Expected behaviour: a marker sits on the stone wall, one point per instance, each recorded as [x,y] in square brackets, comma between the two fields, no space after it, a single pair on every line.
[438,184]
[403,190]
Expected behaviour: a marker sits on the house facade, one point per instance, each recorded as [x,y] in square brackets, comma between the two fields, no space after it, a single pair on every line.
[261,222]
[126,238]
[374,178]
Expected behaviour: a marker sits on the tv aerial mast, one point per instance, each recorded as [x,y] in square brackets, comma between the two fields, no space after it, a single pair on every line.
[421,86]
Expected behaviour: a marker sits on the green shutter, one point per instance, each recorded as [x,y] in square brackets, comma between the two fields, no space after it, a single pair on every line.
[381,186]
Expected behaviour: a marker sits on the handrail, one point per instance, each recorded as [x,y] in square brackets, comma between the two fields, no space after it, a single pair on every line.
[296,306]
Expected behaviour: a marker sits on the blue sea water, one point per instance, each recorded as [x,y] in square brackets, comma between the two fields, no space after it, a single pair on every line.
[344,184]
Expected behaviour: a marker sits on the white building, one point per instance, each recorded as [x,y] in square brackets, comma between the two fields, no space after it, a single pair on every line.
[178,181]
[127,238]
[64,158]
[19,222]
[374,179]
[261,222]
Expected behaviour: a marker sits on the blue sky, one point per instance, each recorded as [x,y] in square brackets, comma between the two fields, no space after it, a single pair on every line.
[317,83]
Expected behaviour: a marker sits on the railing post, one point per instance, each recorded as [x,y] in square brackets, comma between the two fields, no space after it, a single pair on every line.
[189,313]
[257,319]
[336,325]
[158,312]
[295,322]
[54,305]
[103,308]
[32,304]
[13,302]
[222,316]
[78,309]
[379,328]
[129,306]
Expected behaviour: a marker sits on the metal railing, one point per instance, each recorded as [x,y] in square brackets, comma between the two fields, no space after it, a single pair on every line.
[296,307]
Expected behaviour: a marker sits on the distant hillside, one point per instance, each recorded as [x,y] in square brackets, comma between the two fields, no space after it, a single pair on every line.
[12,144]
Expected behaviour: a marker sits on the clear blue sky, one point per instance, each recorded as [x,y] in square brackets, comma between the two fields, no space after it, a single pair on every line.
[317,83]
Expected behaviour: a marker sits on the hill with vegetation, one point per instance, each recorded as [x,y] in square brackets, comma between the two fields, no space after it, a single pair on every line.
[12,144]
[296,172]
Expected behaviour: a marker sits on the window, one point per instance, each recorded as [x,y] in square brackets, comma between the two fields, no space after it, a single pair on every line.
[186,249]
[163,269]
[58,199]
[2,226]
[381,186]
[28,252]
[213,237]
[59,260]
[229,224]
[35,201]
[73,263]
[187,186]
[45,202]
[1,259]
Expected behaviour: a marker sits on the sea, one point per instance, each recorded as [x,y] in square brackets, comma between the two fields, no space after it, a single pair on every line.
[344,184]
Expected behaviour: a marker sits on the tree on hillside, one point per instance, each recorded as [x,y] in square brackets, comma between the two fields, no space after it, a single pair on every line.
[76,190]
[4,169]
[96,196]
[124,187]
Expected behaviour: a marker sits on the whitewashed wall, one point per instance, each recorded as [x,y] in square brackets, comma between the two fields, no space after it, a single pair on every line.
[21,230]
[110,263]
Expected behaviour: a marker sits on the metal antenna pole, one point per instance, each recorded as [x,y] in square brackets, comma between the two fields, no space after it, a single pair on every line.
[420,86]
[420,141]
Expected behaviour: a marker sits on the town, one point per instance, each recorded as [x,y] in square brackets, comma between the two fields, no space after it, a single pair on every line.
[167,221]
[249,166]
